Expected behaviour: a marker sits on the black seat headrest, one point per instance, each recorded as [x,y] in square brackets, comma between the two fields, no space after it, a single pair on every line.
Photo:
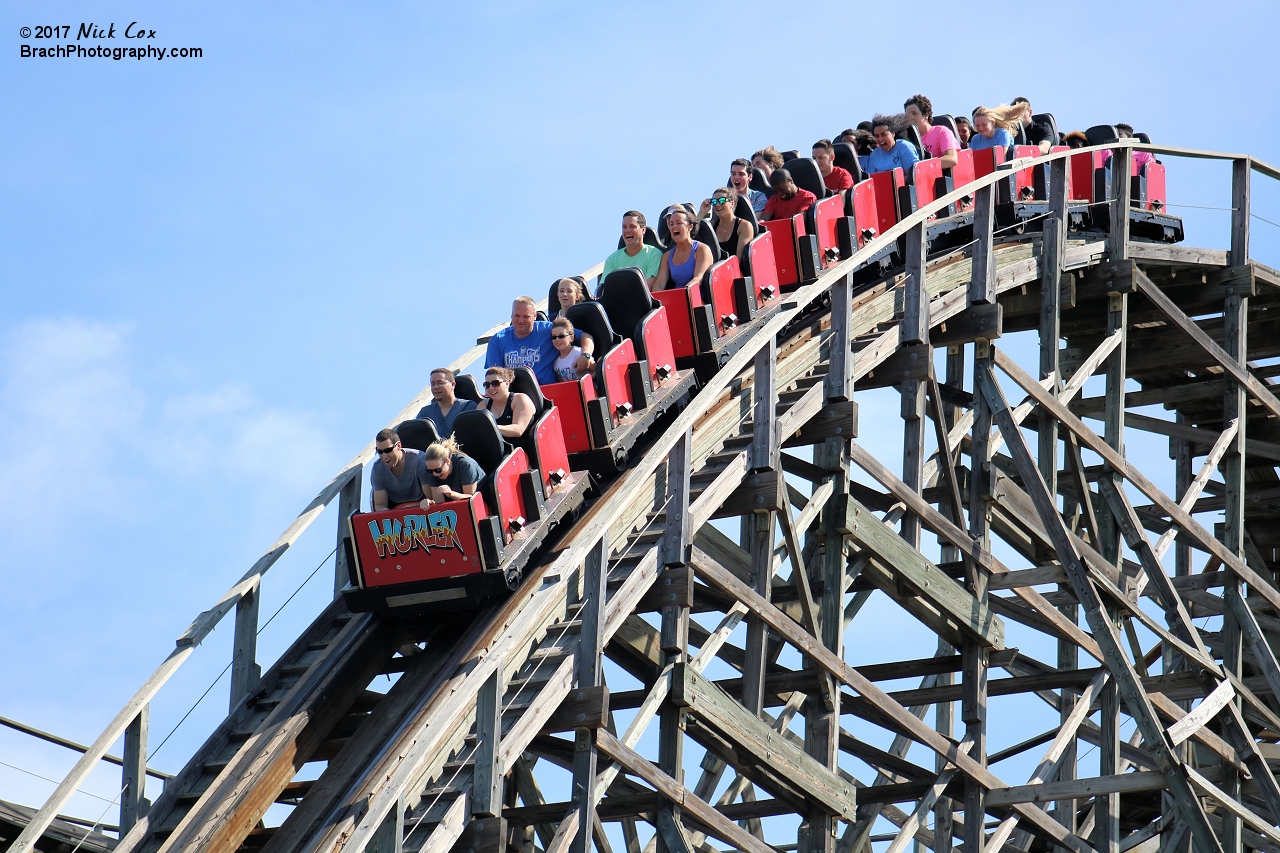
[706,235]
[626,300]
[788,156]
[759,182]
[913,136]
[589,317]
[1052,123]
[418,433]
[743,210]
[465,388]
[524,382]
[650,239]
[664,233]
[479,438]
[1143,138]
[1101,134]
[804,171]
[1020,134]
[846,158]
[948,122]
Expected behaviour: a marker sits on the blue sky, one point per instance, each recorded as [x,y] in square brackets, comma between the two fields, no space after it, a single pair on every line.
[219,276]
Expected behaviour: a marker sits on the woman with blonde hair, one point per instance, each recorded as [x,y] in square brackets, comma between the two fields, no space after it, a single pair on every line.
[451,474]
[570,291]
[993,126]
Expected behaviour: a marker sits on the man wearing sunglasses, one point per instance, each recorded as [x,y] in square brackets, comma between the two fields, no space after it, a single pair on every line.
[527,343]
[399,476]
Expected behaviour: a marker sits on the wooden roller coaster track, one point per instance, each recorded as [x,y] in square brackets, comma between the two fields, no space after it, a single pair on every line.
[501,730]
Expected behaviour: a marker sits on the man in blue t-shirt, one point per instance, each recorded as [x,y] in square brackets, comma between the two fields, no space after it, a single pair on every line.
[889,153]
[527,343]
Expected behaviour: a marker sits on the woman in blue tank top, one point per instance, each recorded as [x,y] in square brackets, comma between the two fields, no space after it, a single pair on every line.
[687,260]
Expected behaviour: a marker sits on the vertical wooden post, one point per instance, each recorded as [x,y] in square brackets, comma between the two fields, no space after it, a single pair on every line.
[486,789]
[1113,416]
[348,502]
[245,670]
[1118,212]
[1241,173]
[1053,248]
[973,704]
[1107,806]
[764,455]
[982,284]
[133,802]
[1235,316]
[944,712]
[590,670]
[818,833]
[915,330]
[677,537]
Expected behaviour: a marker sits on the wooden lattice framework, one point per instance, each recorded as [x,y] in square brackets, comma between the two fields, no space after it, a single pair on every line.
[456,755]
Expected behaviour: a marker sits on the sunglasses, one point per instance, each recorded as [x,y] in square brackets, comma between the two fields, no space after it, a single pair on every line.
[435,471]
[560,337]
[493,383]
[386,451]
[723,200]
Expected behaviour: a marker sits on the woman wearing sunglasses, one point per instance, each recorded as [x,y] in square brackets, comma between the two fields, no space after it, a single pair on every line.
[687,260]
[451,474]
[511,412]
[733,234]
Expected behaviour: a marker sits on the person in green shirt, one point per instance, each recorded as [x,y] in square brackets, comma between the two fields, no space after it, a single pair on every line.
[634,251]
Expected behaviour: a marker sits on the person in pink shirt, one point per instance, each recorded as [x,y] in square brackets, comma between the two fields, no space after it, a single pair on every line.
[1140,158]
[939,141]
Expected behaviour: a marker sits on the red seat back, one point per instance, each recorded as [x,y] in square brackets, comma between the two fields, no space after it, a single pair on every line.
[1082,169]
[961,174]
[1025,179]
[506,485]
[1153,189]
[718,293]
[617,386]
[553,454]
[925,175]
[826,217]
[679,320]
[784,249]
[570,400]
[764,269]
[655,335]
[887,185]
[986,160]
[866,218]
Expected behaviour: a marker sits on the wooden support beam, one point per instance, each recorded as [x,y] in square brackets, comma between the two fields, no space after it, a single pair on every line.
[486,786]
[1043,792]
[1237,370]
[245,670]
[919,730]
[133,776]
[926,579]
[982,286]
[715,708]
[1203,538]
[676,531]
[348,503]
[701,811]
[1130,689]
[983,320]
